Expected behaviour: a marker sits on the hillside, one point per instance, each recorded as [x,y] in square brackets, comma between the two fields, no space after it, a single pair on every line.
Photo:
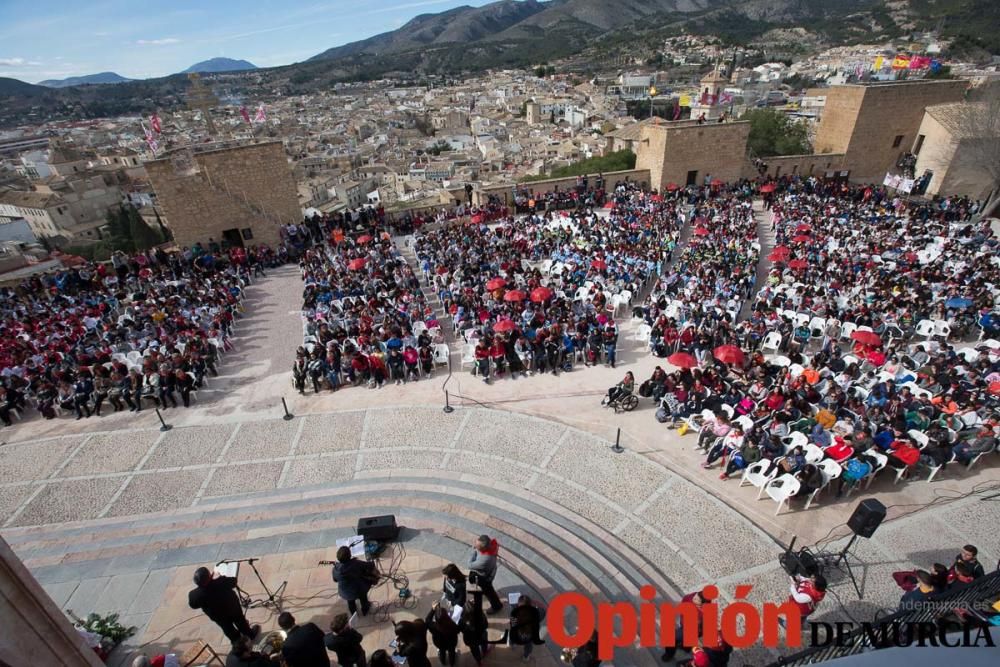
[220,65]
[523,33]
[100,78]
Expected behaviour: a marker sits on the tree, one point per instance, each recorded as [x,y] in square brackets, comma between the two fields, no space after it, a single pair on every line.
[976,135]
[617,161]
[774,133]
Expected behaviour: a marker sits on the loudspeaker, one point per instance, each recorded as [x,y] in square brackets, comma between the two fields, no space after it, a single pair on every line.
[868,515]
[378,528]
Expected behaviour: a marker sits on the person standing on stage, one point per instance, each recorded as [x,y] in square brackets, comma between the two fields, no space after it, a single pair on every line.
[354,579]
[216,596]
[483,562]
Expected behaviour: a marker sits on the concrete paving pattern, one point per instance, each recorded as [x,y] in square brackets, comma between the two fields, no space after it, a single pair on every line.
[112,514]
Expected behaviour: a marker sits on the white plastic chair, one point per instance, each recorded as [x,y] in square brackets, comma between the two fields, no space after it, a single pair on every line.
[942,329]
[441,354]
[642,333]
[772,341]
[970,355]
[813,453]
[919,439]
[924,328]
[781,361]
[933,470]
[817,325]
[754,474]
[846,329]
[780,489]
[745,422]
[469,356]
[795,439]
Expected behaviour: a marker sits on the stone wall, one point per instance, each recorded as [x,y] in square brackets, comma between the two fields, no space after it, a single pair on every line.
[880,121]
[505,192]
[203,193]
[671,151]
[800,165]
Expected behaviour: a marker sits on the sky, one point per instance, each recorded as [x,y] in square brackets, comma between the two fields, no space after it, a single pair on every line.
[138,39]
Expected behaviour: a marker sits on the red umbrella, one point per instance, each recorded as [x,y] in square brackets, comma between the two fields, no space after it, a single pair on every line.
[515,295]
[476,219]
[672,187]
[867,338]
[540,294]
[801,238]
[768,187]
[798,264]
[364,238]
[442,270]
[656,198]
[495,283]
[781,248]
[505,325]
[778,257]
[682,360]
[701,231]
[716,182]
[729,354]
[599,264]
[803,228]
[357,264]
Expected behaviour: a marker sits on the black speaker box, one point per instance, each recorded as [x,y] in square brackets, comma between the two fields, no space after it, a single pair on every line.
[867,516]
[378,528]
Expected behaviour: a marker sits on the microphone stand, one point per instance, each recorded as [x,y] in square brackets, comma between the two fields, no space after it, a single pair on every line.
[274,598]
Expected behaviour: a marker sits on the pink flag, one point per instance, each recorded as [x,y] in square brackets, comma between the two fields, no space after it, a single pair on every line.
[245,114]
[154,121]
[726,98]
[261,117]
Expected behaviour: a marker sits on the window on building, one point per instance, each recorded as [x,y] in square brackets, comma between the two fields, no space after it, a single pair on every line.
[918,145]
[897,141]
[692,178]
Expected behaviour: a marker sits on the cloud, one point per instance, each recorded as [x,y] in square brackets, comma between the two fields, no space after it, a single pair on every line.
[18,62]
[158,42]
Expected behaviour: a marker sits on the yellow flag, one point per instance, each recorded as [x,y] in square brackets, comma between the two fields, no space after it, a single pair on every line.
[685,101]
[878,63]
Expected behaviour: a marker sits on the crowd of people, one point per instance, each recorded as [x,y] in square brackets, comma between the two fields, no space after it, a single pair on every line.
[540,293]
[850,358]
[139,331]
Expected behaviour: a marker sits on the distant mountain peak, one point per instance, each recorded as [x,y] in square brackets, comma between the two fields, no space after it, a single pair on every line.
[220,65]
[99,78]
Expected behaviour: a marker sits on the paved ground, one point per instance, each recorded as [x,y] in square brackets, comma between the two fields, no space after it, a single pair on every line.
[529,459]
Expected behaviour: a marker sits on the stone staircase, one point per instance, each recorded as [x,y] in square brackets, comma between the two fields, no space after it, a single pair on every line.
[405,246]
[546,549]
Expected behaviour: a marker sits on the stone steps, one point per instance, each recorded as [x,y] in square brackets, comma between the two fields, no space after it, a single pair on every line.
[547,548]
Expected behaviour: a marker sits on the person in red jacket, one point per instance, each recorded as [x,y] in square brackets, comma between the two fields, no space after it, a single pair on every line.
[807,593]
[498,352]
[483,360]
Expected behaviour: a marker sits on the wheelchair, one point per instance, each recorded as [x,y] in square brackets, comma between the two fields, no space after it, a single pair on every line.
[625,403]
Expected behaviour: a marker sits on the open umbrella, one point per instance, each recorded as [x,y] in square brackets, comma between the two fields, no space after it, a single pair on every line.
[682,360]
[540,294]
[717,183]
[701,231]
[866,337]
[778,256]
[476,219]
[515,295]
[441,270]
[505,325]
[656,198]
[729,354]
[495,283]
[364,238]
[958,302]
[801,238]
[672,187]
[803,229]
[798,264]
[781,248]
[768,187]
[357,264]
[599,264]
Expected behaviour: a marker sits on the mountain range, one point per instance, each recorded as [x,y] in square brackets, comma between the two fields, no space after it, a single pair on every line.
[220,65]
[102,77]
[520,33]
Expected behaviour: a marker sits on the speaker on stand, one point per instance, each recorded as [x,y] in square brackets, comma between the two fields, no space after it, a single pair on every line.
[864,521]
